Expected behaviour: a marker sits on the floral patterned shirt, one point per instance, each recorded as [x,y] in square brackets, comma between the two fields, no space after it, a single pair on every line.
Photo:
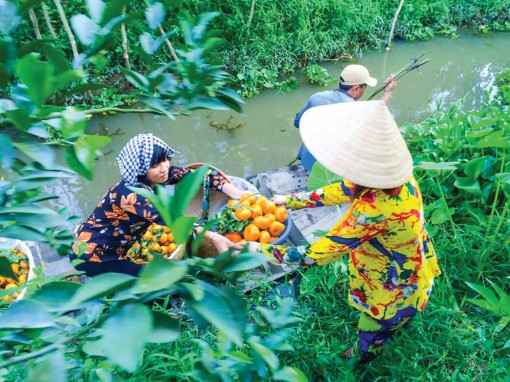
[392,262]
[122,216]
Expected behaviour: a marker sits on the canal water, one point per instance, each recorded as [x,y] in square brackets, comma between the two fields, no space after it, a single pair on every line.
[263,137]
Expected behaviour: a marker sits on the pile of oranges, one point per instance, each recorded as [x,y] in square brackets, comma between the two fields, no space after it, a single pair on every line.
[20,267]
[252,218]
[157,239]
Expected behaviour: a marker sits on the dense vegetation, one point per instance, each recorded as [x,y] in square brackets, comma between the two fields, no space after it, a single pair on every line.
[264,41]
[126,329]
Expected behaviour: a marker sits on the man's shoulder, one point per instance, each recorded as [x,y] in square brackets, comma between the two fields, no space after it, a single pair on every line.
[328,97]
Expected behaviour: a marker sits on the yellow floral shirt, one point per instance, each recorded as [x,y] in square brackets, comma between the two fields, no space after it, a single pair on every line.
[392,262]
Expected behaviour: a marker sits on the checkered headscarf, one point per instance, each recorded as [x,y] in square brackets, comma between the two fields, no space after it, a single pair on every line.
[135,158]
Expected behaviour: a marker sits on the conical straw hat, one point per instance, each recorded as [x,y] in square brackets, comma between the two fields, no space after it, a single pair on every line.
[359,141]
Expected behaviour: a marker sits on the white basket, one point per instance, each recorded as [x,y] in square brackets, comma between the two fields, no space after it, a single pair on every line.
[6,243]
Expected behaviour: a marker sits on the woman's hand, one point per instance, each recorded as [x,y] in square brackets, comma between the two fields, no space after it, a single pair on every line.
[221,243]
[279,200]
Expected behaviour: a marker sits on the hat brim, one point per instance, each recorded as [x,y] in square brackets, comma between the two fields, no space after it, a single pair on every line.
[371,81]
[359,141]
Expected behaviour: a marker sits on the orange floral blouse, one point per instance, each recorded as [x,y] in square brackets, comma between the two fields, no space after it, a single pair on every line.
[391,263]
[120,219]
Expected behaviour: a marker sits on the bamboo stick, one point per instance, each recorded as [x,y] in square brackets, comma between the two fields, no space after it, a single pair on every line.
[68,30]
[33,18]
[394,23]
[48,20]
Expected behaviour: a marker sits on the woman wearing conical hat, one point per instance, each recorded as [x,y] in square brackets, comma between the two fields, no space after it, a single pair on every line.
[392,262]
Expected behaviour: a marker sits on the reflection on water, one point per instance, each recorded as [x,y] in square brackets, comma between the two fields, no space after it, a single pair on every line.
[266,138]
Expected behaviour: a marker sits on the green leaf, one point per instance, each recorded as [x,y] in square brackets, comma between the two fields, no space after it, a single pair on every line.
[137,79]
[54,296]
[474,167]
[37,76]
[73,124]
[20,118]
[469,185]
[21,232]
[267,354]
[484,292]
[442,166]
[165,328]
[74,163]
[38,152]
[5,268]
[206,103]
[290,374]
[155,15]
[86,149]
[222,308]
[25,314]
[495,140]
[149,44]
[181,228]
[246,261]
[441,214]
[159,274]
[186,190]
[320,176]
[96,9]
[48,368]
[100,286]
[7,152]
[62,80]
[85,28]
[9,18]
[124,335]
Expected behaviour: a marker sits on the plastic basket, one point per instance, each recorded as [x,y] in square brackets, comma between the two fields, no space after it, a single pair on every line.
[6,243]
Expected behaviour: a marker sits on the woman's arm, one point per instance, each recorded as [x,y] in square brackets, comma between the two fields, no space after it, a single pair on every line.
[330,195]
[221,243]
[362,223]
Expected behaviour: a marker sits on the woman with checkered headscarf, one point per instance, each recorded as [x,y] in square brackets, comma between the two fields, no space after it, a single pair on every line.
[122,216]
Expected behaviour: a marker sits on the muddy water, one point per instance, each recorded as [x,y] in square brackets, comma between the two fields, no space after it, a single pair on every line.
[263,138]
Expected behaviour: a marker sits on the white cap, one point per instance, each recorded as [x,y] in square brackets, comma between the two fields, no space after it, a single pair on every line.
[356,75]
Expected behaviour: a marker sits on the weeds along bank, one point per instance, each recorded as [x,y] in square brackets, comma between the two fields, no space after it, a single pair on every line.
[264,40]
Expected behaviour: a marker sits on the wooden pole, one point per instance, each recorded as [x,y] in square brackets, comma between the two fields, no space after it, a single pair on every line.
[393,24]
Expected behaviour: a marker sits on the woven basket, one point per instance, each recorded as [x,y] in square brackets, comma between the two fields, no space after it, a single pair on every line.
[6,243]
[217,200]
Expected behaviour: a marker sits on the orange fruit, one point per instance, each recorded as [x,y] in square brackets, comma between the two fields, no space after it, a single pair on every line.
[248,197]
[163,249]
[271,217]
[171,247]
[251,232]
[243,214]
[281,214]
[268,207]
[155,247]
[23,264]
[234,237]
[256,210]
[170,237]
[265,237]
[232,202]
[260,198]
[15,268]
[147,235]
[262,222]
[163,239]
[276,228]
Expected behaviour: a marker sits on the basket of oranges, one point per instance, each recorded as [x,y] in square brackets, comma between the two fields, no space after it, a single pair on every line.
[19,257]
[157,240]
[254,218]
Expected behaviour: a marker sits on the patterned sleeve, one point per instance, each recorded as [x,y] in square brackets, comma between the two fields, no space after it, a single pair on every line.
[136,204]
[362,223]
[330,195]
[175,174]
[213,178]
